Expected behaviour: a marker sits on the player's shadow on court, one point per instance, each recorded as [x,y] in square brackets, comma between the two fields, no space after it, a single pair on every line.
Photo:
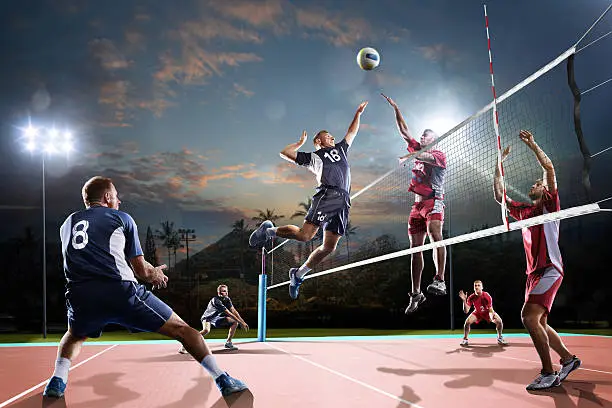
[242,399]
[585,391]
[105,391]
[479,350]
[37,401]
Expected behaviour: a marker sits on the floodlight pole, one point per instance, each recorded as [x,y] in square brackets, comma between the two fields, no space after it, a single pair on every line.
[44,249]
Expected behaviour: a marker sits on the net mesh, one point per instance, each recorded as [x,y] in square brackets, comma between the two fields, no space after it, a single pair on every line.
[379,214]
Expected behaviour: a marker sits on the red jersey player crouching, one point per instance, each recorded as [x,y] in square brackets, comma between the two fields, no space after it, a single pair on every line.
[483,310]
[427,213]
[544,266]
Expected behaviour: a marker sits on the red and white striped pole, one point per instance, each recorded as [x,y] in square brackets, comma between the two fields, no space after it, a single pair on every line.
[496,126]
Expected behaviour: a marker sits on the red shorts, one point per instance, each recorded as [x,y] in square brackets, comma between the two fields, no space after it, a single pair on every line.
[424,211]
[542,286]
[480,317]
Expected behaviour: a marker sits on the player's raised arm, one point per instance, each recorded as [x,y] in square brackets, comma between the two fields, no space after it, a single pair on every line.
[354,126]
[401,123]
[498,187]
[466,306]
[289,153]
[547,164]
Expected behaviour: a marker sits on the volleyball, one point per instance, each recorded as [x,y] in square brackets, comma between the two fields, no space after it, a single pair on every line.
[368,58]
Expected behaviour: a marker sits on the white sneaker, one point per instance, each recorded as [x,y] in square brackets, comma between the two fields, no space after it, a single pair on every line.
[464,343]
[544,381]
[230,346]
[568,367]
[182,350]
[437,287]
[415,300]
[501,341]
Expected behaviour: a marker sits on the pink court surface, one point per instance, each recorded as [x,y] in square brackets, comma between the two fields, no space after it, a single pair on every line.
[407,371]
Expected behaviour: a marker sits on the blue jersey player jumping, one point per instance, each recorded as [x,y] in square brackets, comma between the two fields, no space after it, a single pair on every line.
[102,258]
[330,204]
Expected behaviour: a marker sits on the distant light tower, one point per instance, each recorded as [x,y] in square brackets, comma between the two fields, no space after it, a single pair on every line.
[46,141]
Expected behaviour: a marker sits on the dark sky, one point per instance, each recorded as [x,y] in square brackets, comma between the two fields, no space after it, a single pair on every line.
[187,107]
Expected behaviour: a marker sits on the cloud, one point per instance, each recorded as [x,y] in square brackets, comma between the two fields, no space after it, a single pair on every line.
[334,27]
[437,52]
[241,90]
[107,54]
[261,14]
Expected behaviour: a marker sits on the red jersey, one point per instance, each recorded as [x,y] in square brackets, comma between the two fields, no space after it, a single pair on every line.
[481,303]
[427,178]
[541,241]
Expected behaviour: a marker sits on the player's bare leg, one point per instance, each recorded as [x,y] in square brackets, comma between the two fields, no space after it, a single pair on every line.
[416,270]
[499,327]
[303,234]
[68,349]
[569,362]
[531,315]
[434,230]
[296,275]
[471,319]
[191,339]
[230,334]
[205,328]
[416,260]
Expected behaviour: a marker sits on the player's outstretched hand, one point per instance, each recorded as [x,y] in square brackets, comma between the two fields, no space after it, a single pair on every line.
[505,153]
[303,138]
[527,137]
[462,295]
[362,106]
[159,280]
[391,101]
[245,326]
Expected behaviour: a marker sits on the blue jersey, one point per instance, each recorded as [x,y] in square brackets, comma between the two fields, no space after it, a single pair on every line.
[97,243]
[330,165]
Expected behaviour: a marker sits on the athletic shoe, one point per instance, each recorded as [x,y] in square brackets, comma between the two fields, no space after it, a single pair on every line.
[258,238]
[55,388]
[294,283]
[230,346]
[501,341]
[229,385]
[568,367]
[464,343]
[182,350]
[437,287]
[544,381]
[415,300]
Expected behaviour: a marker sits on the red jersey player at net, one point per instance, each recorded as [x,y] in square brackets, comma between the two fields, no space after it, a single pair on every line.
[427,213]
[483,310]
[544,265]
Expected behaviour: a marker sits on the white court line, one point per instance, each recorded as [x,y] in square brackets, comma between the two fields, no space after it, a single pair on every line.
[16,397]
[371,387]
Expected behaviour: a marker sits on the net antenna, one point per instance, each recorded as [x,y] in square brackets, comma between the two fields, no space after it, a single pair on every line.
[500,164]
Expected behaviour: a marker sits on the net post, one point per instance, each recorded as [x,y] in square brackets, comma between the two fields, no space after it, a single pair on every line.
[261,300]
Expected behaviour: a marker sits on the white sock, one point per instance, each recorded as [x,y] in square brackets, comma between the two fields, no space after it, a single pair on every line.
[210,364]
[271,232]
[62,365]
[302,271]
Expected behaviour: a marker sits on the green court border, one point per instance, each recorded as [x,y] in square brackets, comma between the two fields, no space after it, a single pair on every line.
[124,338]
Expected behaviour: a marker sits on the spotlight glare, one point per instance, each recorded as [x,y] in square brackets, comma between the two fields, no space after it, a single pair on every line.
[53,133]
[31,131]
[30,146]
[49,148]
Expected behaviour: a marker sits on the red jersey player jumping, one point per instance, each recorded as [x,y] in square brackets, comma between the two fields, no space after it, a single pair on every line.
[427,213]
[483,310]
[544,266]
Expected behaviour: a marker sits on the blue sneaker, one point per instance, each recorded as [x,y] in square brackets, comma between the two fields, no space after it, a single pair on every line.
[55,388]
[229,385]
[258,238]
[294,283]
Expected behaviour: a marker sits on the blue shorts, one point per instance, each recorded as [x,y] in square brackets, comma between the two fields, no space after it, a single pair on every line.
[218,322]
[92,305]
[330,209]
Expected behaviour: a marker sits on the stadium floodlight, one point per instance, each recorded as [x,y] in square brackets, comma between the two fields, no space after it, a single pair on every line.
[46,141]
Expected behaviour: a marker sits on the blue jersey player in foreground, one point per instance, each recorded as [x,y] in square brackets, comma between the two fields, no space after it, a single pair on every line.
[102,258]
[330,204]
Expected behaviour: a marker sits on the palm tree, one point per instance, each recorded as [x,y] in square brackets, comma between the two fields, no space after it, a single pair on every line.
[166,235]
[350,230]
[303,208]
[266,215]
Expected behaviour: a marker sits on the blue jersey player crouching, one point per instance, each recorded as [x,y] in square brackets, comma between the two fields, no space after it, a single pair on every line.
[102,258]
[330,204]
